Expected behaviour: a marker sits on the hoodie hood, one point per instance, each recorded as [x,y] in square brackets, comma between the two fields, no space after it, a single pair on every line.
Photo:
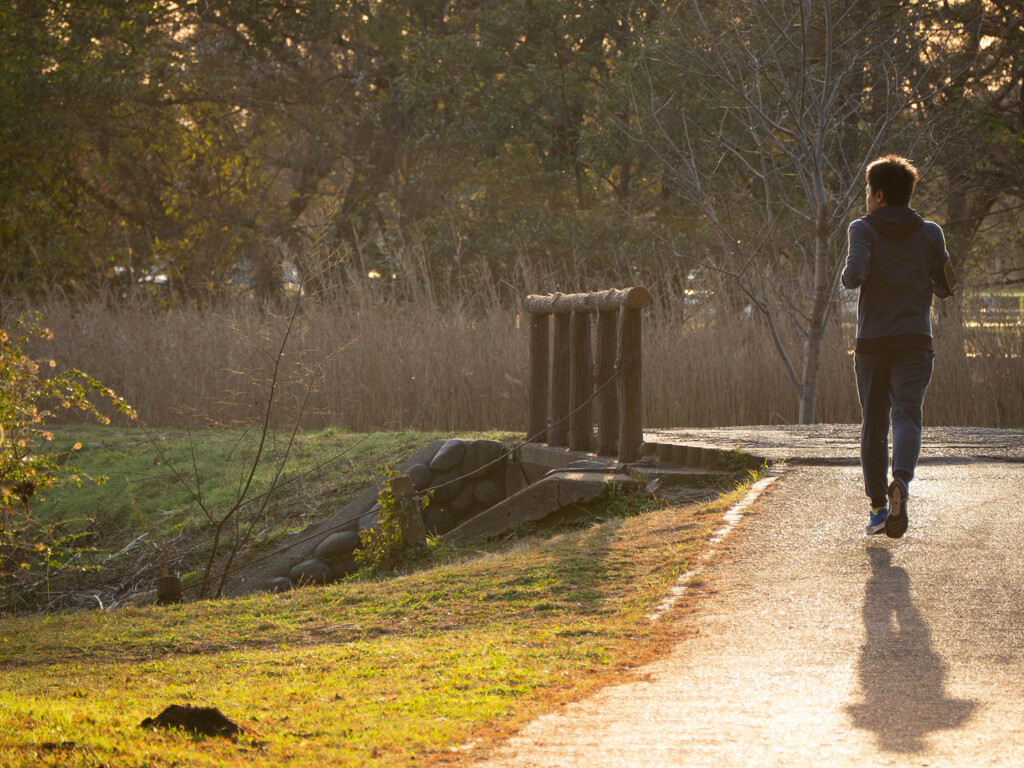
[895,221]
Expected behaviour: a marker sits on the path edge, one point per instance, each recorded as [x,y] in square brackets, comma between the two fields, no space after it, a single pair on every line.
[731,519]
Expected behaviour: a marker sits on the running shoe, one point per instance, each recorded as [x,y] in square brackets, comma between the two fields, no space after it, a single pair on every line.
[877,521]
[896,523]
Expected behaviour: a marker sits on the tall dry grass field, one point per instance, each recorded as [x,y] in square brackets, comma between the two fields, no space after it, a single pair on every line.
[373,362]
[363,367]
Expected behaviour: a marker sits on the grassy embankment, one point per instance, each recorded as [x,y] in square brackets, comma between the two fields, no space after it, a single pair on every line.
[165,491]
[427,667]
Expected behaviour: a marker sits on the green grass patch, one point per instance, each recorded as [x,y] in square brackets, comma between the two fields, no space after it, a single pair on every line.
[149,476]
[427,667]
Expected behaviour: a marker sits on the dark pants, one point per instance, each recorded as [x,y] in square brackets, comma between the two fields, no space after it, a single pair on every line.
[890,385]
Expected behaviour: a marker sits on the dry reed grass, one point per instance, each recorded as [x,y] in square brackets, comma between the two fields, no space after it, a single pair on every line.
[371,367]
[380,362]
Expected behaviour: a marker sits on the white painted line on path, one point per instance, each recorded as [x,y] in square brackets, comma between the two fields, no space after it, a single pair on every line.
[731,518]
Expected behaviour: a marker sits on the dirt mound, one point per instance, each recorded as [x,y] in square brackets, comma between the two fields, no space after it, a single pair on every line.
[203,721]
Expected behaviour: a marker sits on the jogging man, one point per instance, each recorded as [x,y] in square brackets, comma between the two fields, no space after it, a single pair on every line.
[898,260]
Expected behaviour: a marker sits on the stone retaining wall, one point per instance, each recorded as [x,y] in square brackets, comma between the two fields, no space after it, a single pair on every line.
[463,477]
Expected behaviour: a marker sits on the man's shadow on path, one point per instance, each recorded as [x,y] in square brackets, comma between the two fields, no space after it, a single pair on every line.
[901,677]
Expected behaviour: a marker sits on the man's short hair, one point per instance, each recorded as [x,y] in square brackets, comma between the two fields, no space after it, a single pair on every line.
[895,176]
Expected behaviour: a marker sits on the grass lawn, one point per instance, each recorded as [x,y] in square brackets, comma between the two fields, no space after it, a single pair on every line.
[427,667]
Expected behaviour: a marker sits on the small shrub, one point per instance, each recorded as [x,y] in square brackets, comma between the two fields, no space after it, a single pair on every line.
[398,536]
[25,470]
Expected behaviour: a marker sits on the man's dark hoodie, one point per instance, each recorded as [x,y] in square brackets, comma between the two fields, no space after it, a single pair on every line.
[897,259]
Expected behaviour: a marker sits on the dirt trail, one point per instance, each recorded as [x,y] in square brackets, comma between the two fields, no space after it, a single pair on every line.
[820,646]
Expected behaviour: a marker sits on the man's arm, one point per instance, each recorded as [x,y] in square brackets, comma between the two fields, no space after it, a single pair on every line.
[858,258]
[943,279]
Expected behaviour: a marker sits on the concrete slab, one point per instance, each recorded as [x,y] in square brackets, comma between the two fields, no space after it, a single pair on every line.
[546,497]
[554,456]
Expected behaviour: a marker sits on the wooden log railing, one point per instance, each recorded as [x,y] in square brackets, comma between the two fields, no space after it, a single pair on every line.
[565,372]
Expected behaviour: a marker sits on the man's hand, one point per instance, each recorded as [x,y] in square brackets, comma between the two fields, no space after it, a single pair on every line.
[945,286]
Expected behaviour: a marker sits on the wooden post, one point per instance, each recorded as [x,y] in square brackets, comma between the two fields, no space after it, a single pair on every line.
[558,429]
[556,303]
[562,371]
[629,367]
[608,398]
[581,383]
[168,590]
[540,369]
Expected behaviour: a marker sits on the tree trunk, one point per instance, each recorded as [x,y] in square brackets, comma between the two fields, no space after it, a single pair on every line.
[959,230]
[808,392]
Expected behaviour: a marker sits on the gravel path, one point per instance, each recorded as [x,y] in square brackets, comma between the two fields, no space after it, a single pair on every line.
[818,646]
